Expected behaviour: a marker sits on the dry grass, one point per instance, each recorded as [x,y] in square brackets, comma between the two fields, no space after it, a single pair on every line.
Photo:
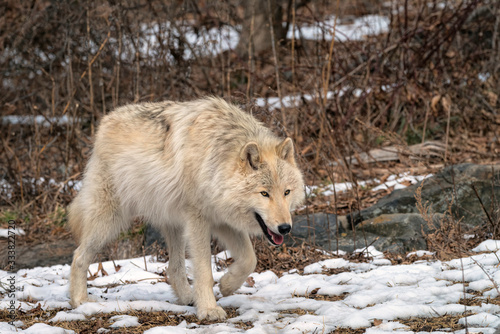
[349,331]
[282,259]
[313,294]
[434,324]
[446,236]
[147,320]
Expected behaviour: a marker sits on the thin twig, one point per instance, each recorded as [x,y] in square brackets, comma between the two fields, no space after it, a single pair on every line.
[250,53]
[101,47]
[484,208]
[447,134]
[276,64]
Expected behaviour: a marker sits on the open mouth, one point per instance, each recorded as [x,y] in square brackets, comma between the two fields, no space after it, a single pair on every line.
[276,239]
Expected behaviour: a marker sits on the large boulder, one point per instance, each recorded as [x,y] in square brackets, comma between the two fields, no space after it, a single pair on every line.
[394,223]
[452,187]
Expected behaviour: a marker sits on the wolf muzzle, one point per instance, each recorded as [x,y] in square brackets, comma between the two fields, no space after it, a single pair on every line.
[275,239]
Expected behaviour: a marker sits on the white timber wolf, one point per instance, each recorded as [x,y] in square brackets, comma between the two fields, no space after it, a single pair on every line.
[193,170]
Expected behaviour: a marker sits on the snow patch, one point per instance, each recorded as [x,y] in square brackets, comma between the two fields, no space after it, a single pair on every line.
[4,232]
[361,27]
[483,77]
[488,246]
[124,321]
[37,120]
[482,319]
[420,253]
[46,329]
[67,316]
[396,181]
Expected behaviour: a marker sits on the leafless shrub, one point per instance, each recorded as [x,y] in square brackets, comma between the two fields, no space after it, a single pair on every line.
[444,234]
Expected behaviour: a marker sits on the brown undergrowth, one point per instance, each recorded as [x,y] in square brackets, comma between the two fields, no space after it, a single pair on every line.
[448,236]
[435,323]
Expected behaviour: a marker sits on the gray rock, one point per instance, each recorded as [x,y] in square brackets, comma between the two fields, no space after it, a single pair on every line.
[398,232]
[394,222]
[39,255]
[452,186]
[152,236]
[317,229]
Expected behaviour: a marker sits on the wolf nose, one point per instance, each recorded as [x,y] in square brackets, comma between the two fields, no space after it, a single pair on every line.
[284,228]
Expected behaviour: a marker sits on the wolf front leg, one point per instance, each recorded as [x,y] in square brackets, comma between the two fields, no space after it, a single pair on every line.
[198,236]
[177,264]
[242,251]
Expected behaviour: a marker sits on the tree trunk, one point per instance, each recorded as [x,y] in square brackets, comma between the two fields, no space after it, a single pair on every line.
[256,37]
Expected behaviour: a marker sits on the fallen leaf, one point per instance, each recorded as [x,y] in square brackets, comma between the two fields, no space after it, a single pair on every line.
[434,102]
[101,269]
[492,98]
[250,281]
[406,183]
[446,103]
[283,256]
[36,309]
[450,54]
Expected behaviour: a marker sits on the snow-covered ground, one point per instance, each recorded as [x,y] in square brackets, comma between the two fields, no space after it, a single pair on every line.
[398,181]
[368,293]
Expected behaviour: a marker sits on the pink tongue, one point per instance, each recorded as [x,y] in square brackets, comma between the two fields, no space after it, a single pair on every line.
[278,239]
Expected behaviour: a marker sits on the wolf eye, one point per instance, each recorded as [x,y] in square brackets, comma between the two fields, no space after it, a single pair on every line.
[287,192]
[264,193]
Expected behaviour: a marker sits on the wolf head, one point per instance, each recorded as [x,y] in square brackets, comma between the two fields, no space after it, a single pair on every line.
[274,186]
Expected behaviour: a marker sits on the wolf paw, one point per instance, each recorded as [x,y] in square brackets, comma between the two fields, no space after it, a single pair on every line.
[186,298]
[79,301]
[213,314]
[229,284]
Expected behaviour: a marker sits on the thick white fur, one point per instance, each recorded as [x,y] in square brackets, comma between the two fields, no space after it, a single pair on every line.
[194,170]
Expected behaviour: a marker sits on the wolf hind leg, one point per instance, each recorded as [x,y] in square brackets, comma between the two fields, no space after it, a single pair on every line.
[97,226]
[240,246]
[176,271]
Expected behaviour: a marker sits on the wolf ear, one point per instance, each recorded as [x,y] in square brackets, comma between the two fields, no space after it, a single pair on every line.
[250,154]
[286,151]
